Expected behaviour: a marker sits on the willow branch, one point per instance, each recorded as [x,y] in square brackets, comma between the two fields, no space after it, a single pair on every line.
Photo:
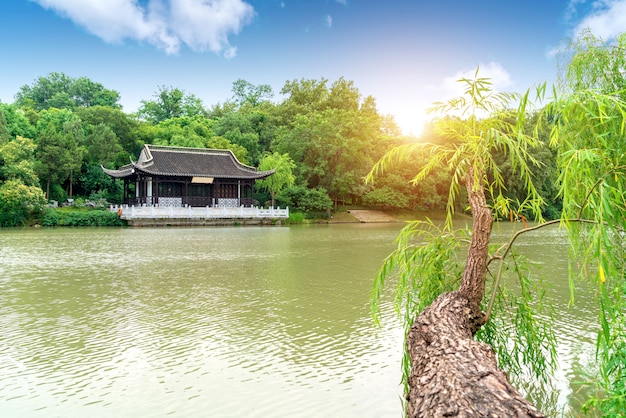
[596,184]
[507,248]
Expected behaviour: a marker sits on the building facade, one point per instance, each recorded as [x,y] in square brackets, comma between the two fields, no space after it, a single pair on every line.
[187,177]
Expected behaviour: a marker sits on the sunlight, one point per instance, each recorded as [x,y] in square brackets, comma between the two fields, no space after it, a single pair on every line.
[412,120]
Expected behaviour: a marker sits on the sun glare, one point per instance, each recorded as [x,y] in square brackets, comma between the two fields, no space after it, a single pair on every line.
[412,121]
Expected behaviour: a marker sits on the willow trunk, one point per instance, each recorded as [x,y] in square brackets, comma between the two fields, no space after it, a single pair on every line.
[452,374]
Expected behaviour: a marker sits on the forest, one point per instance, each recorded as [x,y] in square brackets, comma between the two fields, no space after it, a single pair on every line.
[59,131]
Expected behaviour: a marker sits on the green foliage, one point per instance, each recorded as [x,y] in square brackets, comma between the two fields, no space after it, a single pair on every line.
[247,93]
[16,161]
[588,129]
[17,124]
[386,197]
[424,265]
[526,350]
[124,126]
[282,177]
[304,199]
[71,217]
[170,103]
[296,218]
[4,130]
[18,202]
[59,146]
[63,92]
[94,181]
[470,147]
[473,129]
[51,217]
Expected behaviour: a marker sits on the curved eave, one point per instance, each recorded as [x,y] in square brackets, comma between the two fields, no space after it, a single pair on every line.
[118,174]
[256,175]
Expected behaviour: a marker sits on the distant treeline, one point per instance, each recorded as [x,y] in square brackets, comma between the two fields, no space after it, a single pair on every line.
[59,131]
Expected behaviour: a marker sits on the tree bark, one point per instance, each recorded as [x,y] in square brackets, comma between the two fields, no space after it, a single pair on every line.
[452,375]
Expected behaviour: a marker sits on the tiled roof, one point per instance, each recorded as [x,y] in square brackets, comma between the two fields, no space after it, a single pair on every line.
[189,162]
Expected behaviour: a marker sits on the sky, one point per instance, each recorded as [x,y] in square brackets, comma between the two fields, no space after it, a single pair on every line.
[407,54]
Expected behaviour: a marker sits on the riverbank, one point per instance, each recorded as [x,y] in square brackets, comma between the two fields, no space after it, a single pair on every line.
[365,215]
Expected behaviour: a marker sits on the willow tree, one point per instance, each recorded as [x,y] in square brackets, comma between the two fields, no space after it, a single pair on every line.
[451,373]
[283,175]
[588,129]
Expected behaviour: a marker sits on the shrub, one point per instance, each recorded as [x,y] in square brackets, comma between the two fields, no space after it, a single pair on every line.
[296,218]
[51,218]
[63,217]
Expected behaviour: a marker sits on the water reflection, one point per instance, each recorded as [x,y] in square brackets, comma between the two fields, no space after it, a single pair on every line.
[222,322]
[219,322]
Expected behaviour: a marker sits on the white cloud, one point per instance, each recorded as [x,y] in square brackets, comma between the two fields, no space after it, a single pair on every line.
[450,87]
[606,20]
[344,2]
[329,21]
[202,25]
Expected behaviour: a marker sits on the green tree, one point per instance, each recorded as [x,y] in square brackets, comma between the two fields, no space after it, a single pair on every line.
[386,197]
[17,123]
[443,355]
[4,130]
[60,148]
[331,134]
[170,103]
[588,130]
[124,126]
[283,175]
[20,194]
[238,128]
[18,163]
[245,92]
[63,92]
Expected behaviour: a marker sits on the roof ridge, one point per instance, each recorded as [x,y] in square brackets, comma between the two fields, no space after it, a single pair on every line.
[171,148]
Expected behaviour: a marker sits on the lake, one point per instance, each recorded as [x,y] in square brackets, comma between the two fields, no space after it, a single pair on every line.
[222,321]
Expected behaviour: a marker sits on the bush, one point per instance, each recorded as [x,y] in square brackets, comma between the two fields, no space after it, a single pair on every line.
[51,218]
[18,202]
[386,197]
[64,217]
[307,200]
[57,193]
[296,218]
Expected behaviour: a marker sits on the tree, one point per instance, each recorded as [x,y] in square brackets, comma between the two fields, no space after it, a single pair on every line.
[587,121]
[17,124]
[245,92]
[386,197]
[18,163]
[20,194]
[63,92]
[451,372]
[124,126]
[588,130]
[4,130]
[283,175]
[60,147]
[170,103]
[332,135]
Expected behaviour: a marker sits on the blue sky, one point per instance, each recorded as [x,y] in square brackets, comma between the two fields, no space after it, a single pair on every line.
[405,53]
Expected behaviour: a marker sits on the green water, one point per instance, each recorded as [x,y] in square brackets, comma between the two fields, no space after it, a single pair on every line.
[224,322]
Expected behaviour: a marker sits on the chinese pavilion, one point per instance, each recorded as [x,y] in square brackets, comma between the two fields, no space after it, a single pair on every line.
[177,176]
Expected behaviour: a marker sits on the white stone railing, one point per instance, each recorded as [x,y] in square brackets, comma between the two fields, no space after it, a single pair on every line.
[158,212]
